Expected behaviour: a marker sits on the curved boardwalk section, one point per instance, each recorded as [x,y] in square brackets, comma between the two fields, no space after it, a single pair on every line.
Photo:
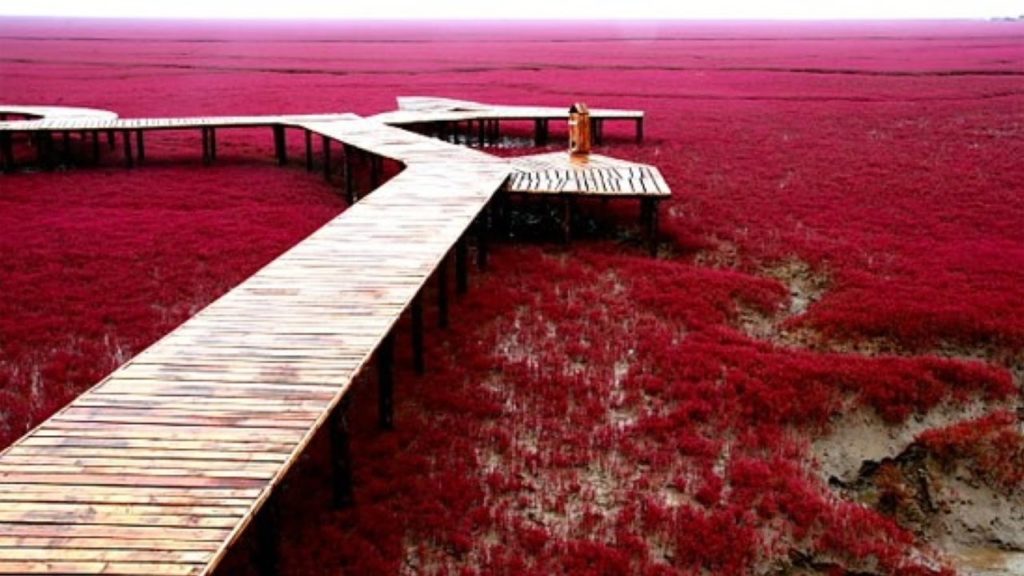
[159,468]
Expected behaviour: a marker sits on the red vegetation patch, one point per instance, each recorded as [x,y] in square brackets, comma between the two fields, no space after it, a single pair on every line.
[97,264]
[569,428]
[591,411]
[991,447]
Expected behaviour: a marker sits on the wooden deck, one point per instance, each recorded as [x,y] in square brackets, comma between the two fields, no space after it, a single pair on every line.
[566,177]
[562,173]
[160,467]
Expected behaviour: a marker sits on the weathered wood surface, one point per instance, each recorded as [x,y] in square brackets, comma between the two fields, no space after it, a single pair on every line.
[419,109]
[563,173]
[56,112]
[411,110]
[110,121]
[159,468]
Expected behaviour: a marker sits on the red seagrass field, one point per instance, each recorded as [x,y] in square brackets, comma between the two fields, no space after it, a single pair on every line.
[819,373]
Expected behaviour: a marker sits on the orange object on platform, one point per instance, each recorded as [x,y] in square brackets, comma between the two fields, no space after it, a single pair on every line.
[579,129]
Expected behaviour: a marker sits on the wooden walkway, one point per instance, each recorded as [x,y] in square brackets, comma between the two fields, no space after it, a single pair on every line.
[482,121]
[159,468]
[44,132]
[52,128]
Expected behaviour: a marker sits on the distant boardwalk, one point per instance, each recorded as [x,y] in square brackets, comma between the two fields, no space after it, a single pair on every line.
[161,466]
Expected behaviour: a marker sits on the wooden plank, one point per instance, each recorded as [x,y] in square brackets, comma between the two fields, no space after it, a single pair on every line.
[127,494]
[115,479]
[86,530]
[100,555]
[105,544]
[85,567]
[225,446]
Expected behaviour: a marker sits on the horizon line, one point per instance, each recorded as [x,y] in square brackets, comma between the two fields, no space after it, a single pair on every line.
[551,19]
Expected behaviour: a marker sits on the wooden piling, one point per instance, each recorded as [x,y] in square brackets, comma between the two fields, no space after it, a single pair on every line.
[341,455]
[461,266]
[442,292]
[268,542]
[567,205]
[376,171]
[309,150]
[95,136]
[325,144]
[483,231]
[350,181]
[540,132]
[6,152]
[45,148]
[126,135]
[140,146]
[386,382]
[418,361]
[206,145]
[652,225]
[280,148]
[65,147]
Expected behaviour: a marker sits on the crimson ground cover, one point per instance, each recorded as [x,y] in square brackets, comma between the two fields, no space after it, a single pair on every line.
[100,263]
[591,410]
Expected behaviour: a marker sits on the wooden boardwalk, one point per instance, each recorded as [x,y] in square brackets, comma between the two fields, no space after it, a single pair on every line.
[159,468]
[483,121]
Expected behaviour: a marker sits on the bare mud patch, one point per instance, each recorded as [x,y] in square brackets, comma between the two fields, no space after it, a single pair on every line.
[806,286]
[978,526]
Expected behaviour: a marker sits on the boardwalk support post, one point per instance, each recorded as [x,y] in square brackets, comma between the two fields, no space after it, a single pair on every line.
[213,144]
[65,147]
[442,292]
[483,230]
[127,136]
[376,171]
[206,145]
[418,362]
[111,140]
[95,135]
[461,265]
[597,130]
[45,143]
[386,382]
[7,151]
[325,143]
[268,553]
[341,456]
[640,129]
[540,129]
[140,146]
[649,215]
[567,202]
[280,150]
[309,151]
[350,185]
[495,131]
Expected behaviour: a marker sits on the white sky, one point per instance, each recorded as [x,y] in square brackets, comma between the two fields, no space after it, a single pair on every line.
[520,9]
